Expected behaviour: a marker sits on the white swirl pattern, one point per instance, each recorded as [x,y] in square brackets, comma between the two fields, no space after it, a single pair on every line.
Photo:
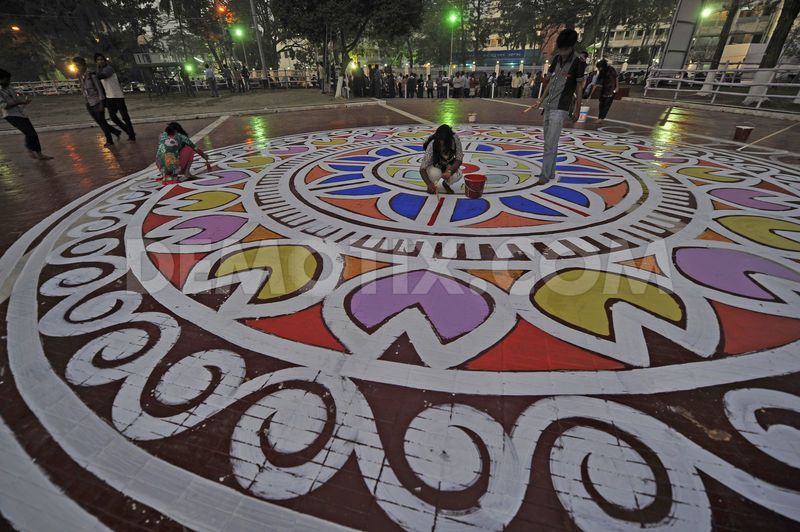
[596,464]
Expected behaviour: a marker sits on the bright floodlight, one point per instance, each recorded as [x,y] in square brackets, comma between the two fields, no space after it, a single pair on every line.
[706,12]
[239,32]
[15,28]
[72,68]
[453,17]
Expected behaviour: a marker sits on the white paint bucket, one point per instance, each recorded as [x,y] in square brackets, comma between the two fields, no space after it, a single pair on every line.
[584,114]
[472,117]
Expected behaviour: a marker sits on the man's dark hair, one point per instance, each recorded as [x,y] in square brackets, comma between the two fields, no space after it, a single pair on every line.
[5,74]
[206,65]
[98,54]
[78,60]
[602,64]
[566,39]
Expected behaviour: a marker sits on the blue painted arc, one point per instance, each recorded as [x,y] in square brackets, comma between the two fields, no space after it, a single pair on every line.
[521,204]
[568,194]
[347,167]
[468,208]
[581,180]
[408,205]
[343,177]
[360,191]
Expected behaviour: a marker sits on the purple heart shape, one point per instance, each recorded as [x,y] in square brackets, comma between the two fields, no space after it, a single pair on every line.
[452,307]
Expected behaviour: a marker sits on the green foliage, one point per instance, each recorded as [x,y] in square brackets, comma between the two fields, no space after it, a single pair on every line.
[53,31]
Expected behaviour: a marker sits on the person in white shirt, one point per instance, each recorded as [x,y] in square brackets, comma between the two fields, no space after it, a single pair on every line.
[211,80]
[516,85]
[458,85]
[115,98]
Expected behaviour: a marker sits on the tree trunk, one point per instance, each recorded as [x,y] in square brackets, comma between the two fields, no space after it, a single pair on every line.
[593,29]
[791,8]
[726,31]
[772,54]
[343,75]
[410,53]
[214,53]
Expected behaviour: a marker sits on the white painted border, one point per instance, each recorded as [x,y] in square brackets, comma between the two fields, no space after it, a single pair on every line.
[28,500]
[89,441]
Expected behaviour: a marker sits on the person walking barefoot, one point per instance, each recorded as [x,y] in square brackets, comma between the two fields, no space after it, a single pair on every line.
[561,98]
[175,154]
[11,104]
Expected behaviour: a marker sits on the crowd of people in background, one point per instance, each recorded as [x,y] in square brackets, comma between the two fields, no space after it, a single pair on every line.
[376,82]
[103,92]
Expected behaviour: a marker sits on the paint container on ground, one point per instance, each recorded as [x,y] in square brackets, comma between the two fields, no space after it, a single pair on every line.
[472,117]
[584,114]
[473,185]
[743,132]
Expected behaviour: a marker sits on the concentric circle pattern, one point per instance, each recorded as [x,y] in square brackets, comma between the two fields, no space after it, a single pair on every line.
[314,309]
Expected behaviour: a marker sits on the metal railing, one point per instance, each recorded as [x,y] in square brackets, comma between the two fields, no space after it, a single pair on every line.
[49,87]
[753,85]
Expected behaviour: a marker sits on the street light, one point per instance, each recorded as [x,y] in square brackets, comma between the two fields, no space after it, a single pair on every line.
[706,12]
[452,19]
[238,33]
[72,68]
[15,28]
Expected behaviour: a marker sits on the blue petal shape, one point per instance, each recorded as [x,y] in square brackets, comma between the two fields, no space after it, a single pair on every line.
[343,177]
[360,191]
[583,169]
[524,153]
[571,195]
[347,167]
[484,147]
[414,147]
[525,205]
[386,152]
[365,158]
[469,208]
[581,180]
[408,205]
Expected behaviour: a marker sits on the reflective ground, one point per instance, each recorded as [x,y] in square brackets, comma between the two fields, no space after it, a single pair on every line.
[303,338]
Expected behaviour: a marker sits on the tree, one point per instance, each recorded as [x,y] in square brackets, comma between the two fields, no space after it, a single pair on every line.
[791,8]
[733,8]
[772,54]
[346,22]
[477,16]
[53,31]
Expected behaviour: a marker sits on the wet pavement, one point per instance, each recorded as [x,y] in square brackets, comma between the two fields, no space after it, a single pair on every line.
[303,338]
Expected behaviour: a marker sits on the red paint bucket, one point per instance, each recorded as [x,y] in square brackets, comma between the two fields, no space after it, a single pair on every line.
[742,133]
[473,185]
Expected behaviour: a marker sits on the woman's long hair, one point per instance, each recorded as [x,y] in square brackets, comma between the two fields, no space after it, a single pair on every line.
[174,127]
[445,134]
